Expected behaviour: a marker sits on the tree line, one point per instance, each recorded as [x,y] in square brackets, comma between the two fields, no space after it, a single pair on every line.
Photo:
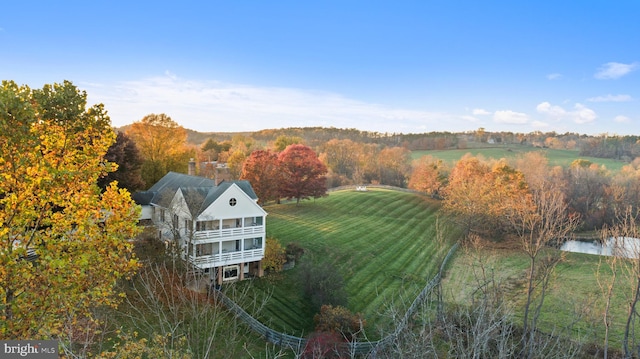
[150,148]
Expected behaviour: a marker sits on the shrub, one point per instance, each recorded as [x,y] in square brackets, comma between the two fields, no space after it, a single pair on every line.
[340,320]
[322,284]
[294,251]
[274,256]
[324,345]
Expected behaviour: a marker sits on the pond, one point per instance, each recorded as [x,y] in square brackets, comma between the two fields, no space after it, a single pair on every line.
[626,247]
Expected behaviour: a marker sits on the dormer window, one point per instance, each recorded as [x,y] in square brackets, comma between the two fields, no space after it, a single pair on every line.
[232,202]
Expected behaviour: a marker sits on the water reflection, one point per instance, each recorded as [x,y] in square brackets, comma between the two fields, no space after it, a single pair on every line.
[626,247]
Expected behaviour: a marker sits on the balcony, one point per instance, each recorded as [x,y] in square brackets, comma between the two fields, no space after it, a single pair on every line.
[220,259]
[228,232]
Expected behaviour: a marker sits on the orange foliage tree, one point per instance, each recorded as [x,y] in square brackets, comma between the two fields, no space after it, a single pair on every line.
[481,194]
[262,171]
[161,142]
[63,243]
[339,320]
[429,175]
[302,173]
[394,166]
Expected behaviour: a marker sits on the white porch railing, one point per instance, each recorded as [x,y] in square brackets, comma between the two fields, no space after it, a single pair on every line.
[228,232]
[214,260]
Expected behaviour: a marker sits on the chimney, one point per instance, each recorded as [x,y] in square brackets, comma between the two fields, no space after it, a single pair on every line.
[192,167]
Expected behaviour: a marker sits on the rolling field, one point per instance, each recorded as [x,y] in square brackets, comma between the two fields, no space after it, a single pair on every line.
[383,243]
[556,157]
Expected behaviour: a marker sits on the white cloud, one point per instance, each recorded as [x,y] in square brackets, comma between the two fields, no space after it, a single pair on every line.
[548,109]
[510,117]
[580,114]
[554,76]
[611,98]
[614,70]
[480,111]
[622,119]
[223,107]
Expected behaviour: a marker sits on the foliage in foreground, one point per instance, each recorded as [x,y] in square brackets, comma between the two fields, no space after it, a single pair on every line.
[63,243]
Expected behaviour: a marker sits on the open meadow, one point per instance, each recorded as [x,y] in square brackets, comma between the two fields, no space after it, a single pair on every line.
[574,305]
[556,157]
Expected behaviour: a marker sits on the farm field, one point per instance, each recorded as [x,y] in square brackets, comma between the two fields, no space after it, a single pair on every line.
[556,157]
[382,242]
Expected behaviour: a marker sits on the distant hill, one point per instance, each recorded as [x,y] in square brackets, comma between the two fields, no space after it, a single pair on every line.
[623,148]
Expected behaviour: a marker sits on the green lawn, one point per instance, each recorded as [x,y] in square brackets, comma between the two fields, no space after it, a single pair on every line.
[556,157]
[382,242]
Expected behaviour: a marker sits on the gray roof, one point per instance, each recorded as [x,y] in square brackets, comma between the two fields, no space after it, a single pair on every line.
[199,192]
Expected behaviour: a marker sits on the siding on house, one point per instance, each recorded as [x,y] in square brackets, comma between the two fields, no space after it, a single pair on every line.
[220,229]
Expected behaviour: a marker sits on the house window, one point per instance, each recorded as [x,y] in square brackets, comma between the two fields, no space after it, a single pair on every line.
[233,202]
[230,272]
[188,225]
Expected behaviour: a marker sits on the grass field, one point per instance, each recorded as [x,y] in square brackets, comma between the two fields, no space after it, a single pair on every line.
[383,242]
[574,304]
[556,157]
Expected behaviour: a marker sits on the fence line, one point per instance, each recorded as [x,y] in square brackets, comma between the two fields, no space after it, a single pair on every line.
[355,348]
[365,186]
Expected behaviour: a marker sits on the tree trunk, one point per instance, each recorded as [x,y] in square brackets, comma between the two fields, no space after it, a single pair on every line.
[632,313]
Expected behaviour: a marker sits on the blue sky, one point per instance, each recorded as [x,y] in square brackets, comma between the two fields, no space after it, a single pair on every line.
[387,66]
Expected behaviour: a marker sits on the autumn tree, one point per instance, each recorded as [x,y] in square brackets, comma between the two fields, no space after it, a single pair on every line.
[274,255]
[468,192]
[542,218]
[161,142]
[125,154]
[262,171]
[241,148]
[482,194]
[63,243]
[429,176]
[394,166]
[588,192]
[341,159]
[625,188]
[302,173]
[339,320]
[283,142]
[367,164]
[211,149]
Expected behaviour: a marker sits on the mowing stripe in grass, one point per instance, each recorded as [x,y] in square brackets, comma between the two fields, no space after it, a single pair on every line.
[380,240]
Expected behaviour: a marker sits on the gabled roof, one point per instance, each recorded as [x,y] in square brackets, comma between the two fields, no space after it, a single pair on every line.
[199,192]
[174,180]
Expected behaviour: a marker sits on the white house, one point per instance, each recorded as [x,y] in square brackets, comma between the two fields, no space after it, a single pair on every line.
[220,229]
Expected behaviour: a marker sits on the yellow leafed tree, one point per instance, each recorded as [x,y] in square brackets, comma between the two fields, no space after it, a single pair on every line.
[161,142]
[63,243]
